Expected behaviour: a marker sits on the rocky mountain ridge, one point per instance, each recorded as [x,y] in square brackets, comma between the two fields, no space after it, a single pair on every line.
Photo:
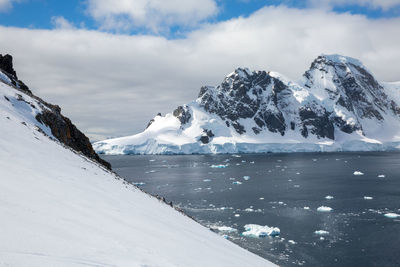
[337,100]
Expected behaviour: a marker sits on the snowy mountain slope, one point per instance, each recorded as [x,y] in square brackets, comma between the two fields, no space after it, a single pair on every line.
[336,106]
[60,208]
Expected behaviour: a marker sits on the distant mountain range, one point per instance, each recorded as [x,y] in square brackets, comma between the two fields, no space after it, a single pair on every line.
[337,105]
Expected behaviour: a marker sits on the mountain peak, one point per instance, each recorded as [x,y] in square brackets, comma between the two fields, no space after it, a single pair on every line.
[339,59]
[240,73]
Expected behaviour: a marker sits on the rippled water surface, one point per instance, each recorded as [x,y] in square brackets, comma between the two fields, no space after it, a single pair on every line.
[285,191]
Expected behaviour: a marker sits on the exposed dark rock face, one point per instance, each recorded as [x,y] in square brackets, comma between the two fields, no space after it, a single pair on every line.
[206,137]
[183,114]
[245,95]
[317,124]
[6,66]
[61,127]
[67,133]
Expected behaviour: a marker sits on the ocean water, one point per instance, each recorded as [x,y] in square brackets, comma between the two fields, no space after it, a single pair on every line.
[285,191]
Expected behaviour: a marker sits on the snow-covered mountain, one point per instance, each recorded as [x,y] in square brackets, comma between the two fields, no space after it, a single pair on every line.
[337,105]
[63,208]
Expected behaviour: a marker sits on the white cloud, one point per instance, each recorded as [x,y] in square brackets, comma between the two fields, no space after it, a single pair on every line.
[59,22]
[156,15]
[375,4]
[6,5]
[114,84]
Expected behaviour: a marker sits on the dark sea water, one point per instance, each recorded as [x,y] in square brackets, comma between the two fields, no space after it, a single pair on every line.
[279,187]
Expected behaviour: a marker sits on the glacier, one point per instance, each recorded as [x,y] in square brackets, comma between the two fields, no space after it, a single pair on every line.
[337,105]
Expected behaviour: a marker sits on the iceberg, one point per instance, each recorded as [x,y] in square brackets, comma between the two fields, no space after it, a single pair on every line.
[321,232]
[220,166]
[255,230]
[392,215]
[324,209]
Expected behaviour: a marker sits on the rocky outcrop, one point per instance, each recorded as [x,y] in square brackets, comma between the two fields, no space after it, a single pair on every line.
[183,114]
[66,132]
[50,115]
[6,66]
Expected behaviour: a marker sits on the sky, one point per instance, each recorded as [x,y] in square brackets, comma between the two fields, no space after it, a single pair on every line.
[113,65]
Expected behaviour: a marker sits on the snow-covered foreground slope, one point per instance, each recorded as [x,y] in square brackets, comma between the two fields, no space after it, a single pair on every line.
[337,106]
[59,208]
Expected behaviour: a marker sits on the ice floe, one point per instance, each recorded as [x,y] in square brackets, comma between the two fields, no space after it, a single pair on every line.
[324,209]
[306,208]
[246,177]
[226,229]
[255,230]
[368,198]
[236,182]
[358,173]
[219,166]
[329,197]
[392,215]
[381,176]
[139,183]
[321,232]
[207,180]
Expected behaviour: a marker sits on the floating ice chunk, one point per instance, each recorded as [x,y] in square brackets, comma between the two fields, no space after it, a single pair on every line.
[236,182]
[236,156]
[296,186]
[152,160]
[252,162]
[381,176]
[226,229]
[255,230]
[138,184]
[249,210]
[219,166]
[261,198]
[392,215]
[243,161]
[368,198]
[207,180]
[358,173]
[297,173]
[329,197]
[321,232]
[292,242]
[306,208]
[237,215]
[324,209]
[246,177]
